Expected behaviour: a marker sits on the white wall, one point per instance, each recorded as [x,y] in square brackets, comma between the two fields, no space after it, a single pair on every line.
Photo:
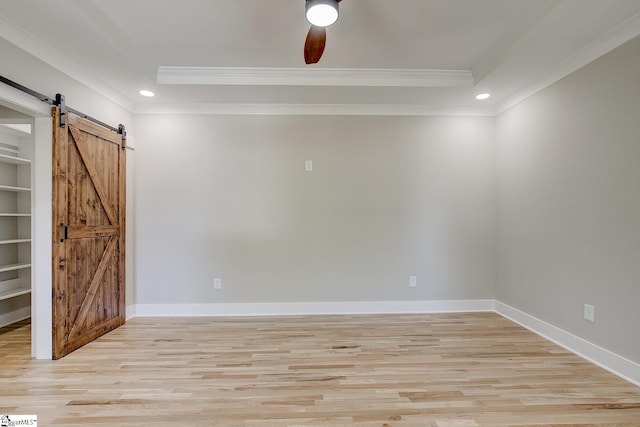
[389,197]
[569,202]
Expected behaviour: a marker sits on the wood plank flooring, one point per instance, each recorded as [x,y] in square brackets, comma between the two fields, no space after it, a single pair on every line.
[439,370]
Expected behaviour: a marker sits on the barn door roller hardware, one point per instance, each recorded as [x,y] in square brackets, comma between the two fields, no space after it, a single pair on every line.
[59,102]
[122,131]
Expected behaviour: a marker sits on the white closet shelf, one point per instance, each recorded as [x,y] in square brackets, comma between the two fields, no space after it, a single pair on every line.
[11,241]
[13,188]
[14,160]
[16,203]
[15,292]
[13,267]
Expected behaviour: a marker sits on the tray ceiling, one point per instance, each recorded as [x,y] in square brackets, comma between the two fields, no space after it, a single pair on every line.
[510,48]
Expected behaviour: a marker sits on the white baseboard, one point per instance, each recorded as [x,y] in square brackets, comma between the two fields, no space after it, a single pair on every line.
[618,365]
[15,316]
[307,308]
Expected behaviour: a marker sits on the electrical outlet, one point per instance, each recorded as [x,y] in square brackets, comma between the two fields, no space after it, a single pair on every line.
[308,165]
[217,283]
[589,313]
[413,281]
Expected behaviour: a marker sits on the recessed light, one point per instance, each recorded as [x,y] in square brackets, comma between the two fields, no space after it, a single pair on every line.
[148,93]
[482,96]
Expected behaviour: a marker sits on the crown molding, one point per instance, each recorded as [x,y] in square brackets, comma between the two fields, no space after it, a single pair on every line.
[56,59]
[314,109]
[611,40]
[313,77]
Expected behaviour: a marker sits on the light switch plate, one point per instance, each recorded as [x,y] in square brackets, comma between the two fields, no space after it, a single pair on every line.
[589,313]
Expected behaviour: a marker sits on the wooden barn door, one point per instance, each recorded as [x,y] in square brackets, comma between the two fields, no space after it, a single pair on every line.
[88,238]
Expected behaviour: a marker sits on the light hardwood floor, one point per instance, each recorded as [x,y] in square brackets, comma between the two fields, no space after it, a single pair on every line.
[378,370]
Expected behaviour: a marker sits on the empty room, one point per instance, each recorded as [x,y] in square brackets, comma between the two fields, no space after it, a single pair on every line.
[320,213]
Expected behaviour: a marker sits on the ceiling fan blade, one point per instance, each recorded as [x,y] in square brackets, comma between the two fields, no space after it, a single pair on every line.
[314,45]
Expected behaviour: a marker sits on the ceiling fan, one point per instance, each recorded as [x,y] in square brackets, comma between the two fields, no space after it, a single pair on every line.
[320,14]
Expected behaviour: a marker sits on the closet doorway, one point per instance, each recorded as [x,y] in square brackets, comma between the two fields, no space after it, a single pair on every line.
[25,223]
[16,153]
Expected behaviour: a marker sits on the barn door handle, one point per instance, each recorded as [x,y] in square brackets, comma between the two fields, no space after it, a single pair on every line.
[64,232]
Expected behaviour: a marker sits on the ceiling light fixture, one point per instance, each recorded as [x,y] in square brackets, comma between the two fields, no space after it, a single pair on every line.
[483,96]
[147,93]
[322,13]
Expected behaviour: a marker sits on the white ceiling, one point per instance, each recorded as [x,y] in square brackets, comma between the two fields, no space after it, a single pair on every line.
[511,48]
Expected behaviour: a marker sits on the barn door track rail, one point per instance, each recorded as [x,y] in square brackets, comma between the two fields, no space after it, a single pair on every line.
[59,102]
